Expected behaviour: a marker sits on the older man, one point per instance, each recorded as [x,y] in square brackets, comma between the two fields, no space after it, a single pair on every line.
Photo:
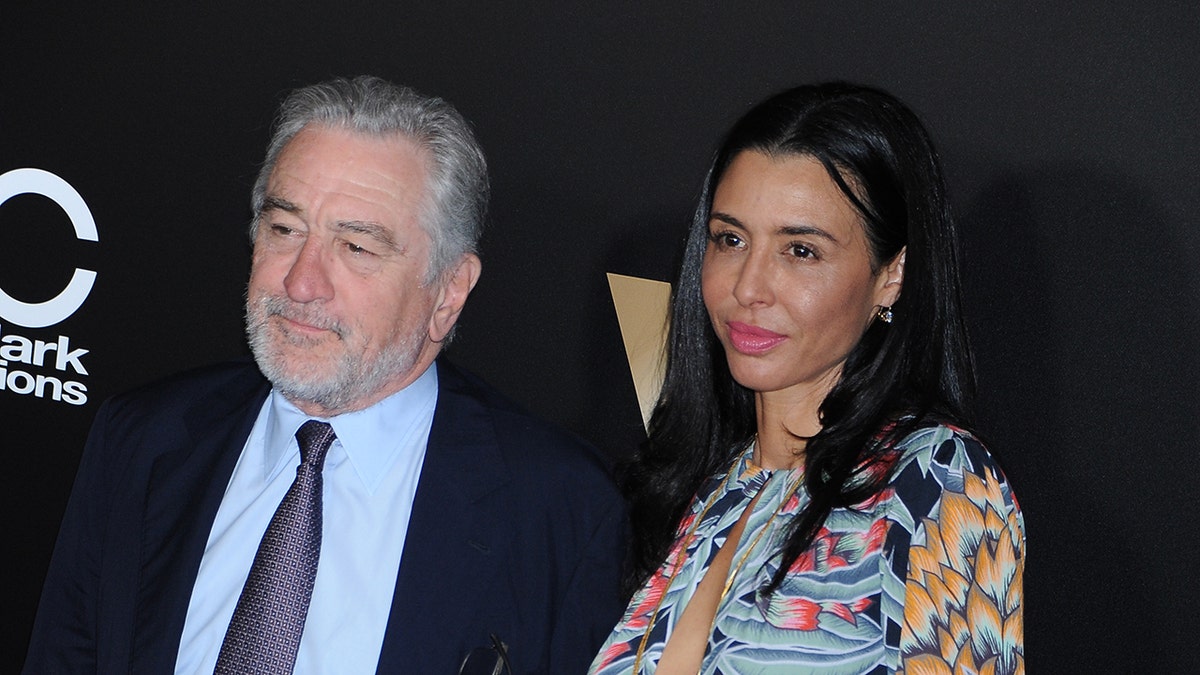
[365,506]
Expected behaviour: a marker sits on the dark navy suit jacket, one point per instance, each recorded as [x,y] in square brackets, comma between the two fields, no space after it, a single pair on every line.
[516,530]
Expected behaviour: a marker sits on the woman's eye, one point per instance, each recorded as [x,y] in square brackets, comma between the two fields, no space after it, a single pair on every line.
[725,240]
[801,251]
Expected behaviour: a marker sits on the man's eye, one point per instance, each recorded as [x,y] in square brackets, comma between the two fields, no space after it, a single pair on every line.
[356,249]
[282,230]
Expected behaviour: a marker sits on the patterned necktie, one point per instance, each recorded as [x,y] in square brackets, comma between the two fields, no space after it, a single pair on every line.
[264,633]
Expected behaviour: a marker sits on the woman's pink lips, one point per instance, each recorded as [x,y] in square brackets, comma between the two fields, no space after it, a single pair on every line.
[753,340]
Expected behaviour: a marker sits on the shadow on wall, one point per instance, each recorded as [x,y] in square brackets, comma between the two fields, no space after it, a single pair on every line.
[1085,327]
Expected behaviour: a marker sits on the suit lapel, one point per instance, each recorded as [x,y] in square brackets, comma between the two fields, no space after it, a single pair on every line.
[457,526]
[186,485]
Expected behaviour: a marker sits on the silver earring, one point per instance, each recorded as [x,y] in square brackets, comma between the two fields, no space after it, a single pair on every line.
[884,313]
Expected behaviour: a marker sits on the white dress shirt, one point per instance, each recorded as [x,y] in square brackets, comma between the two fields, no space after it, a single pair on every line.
[370,480]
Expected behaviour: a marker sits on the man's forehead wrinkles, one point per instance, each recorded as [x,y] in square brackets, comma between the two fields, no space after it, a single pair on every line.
[277,203]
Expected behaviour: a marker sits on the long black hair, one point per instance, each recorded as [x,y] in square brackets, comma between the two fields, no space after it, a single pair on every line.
[899,376]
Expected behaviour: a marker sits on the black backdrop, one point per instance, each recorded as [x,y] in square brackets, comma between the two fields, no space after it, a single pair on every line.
[1069,134]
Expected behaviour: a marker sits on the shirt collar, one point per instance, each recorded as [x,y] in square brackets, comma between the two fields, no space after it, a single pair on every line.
[372,438]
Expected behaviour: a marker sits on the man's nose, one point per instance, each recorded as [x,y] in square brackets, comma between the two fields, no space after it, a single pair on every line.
[308,279]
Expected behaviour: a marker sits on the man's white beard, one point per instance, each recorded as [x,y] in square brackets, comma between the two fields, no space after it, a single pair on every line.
[352,377]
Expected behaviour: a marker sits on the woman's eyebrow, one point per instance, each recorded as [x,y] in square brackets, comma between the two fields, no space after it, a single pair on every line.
[803,230]
[726,218]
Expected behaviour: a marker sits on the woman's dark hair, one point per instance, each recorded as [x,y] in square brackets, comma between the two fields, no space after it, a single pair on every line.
[899,376]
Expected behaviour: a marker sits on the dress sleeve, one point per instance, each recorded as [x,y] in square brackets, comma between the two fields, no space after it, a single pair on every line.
[963,598]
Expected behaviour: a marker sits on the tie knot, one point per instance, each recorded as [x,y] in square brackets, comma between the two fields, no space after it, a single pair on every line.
[314,438]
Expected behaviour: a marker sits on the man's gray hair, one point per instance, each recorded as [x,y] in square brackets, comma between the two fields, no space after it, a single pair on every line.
[458,181]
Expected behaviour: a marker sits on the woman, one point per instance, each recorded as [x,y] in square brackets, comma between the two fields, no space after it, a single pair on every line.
[809,499]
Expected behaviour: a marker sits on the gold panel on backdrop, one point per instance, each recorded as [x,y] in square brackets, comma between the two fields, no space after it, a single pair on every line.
[643,307]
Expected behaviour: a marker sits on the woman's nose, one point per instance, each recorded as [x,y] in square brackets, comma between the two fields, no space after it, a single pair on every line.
[753,285]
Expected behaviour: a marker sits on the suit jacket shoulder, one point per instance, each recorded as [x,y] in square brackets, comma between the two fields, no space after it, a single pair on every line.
[531,446]
[517,530]
[156,463]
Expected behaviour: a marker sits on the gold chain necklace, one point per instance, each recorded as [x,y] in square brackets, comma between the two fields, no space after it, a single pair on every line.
[679,557]
[637,662]
[757,538]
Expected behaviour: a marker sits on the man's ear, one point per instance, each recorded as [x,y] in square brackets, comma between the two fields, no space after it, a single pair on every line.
[452,296]
[891,281]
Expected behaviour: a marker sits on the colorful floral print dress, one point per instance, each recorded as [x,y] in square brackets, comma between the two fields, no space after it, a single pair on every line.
[926,577]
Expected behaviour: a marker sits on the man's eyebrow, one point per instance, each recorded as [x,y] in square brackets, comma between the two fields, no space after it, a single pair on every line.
[371,229]
[271,203]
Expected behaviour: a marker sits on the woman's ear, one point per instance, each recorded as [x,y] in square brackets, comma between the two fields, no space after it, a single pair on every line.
[891,280]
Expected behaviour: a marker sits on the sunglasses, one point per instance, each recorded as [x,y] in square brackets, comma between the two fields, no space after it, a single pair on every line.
[492,660]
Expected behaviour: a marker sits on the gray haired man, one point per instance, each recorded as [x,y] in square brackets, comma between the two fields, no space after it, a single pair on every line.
[430,526]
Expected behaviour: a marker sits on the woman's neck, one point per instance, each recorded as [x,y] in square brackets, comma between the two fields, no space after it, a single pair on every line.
[786,420]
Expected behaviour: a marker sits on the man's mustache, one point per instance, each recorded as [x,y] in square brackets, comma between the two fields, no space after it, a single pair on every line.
[311,315]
